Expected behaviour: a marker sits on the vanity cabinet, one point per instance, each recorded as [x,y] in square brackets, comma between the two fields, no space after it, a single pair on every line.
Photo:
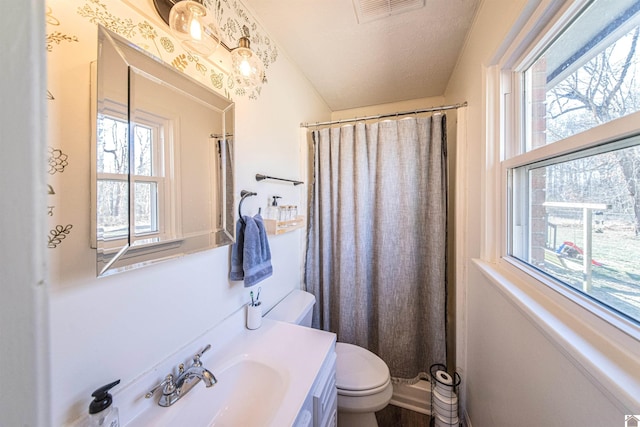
[320,408]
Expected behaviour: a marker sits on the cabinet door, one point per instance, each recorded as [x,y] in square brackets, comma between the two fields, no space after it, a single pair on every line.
[325,396]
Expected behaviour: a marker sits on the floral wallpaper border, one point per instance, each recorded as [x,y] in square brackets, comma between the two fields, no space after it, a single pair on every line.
[232,18]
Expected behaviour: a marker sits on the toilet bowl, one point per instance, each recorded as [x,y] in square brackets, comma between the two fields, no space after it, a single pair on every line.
[363,381]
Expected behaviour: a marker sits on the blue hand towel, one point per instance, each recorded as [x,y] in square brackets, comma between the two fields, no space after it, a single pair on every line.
[256,255]
[237,271]
[250,254]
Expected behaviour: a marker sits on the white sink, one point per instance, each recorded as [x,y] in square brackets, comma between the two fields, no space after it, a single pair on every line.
[248,394]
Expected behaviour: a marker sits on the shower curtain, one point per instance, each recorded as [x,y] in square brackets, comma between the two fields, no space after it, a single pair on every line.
[376,254]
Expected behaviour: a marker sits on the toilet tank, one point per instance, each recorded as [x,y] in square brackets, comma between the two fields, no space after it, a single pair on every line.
[297,307]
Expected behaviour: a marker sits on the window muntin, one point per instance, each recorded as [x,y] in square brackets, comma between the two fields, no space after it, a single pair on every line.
[588,76]
[581,191]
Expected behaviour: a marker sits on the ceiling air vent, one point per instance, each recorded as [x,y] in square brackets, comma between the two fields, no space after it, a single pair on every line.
[370,10]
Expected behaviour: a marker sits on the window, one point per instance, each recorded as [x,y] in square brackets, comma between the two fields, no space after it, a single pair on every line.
[573,160]
[148,183]
[587,76]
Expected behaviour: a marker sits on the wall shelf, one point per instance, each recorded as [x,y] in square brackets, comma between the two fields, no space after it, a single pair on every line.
[275,227]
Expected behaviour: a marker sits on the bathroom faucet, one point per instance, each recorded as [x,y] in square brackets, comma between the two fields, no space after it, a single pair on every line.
[172,390]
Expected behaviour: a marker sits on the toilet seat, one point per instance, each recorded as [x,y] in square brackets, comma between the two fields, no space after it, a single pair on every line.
[359,372]
[366,392]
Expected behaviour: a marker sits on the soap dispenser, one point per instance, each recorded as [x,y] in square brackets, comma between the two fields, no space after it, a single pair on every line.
[101,412]
[273,210]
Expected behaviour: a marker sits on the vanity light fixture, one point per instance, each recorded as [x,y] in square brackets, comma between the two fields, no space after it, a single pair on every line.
[191,23]
[195,27]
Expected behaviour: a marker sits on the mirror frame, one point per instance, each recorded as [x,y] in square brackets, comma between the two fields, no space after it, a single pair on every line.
[137,62]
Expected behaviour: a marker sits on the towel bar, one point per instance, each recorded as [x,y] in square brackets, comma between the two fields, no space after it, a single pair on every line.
[260,177]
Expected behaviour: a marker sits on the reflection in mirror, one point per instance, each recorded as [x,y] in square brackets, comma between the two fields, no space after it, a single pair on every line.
[163,160]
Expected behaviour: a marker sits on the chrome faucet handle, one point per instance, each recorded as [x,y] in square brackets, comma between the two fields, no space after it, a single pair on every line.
[168,387]
[196,358]
[208,347]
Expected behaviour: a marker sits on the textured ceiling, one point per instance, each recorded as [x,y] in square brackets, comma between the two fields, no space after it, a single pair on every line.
[400,57]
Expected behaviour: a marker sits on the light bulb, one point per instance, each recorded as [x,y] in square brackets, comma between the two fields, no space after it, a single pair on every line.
[247,68]
[195,30]
[194,27]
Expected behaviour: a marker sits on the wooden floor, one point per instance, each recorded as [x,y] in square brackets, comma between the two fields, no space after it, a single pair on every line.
[394,416]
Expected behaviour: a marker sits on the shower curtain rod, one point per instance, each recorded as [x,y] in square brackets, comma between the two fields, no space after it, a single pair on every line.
[382,116]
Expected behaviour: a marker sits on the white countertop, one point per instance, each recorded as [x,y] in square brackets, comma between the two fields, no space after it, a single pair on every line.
[296,353]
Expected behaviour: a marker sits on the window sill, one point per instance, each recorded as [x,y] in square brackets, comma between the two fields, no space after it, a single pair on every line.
[607,356]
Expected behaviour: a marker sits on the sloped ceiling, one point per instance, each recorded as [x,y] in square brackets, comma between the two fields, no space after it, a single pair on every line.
[400,57]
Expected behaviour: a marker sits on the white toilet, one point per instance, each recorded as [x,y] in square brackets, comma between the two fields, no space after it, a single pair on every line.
[362,378]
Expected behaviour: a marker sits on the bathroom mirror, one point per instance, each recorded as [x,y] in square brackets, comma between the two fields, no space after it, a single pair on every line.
[162,160]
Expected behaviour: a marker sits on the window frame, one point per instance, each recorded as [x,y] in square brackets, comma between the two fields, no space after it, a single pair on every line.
[163,129]
[506,139]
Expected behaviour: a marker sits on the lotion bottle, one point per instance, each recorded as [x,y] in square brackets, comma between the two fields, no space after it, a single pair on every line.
[101,412]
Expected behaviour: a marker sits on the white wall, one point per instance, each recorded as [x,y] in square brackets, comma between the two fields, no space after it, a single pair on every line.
[23,306]
[122,325]
[512,373]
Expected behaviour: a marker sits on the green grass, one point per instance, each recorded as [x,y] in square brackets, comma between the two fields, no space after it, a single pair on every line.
[617,282]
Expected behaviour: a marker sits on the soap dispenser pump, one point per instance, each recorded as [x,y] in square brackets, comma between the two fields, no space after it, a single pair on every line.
[273,210]
[101,412]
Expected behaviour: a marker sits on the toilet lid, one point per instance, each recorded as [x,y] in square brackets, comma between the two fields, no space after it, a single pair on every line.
[359,369]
